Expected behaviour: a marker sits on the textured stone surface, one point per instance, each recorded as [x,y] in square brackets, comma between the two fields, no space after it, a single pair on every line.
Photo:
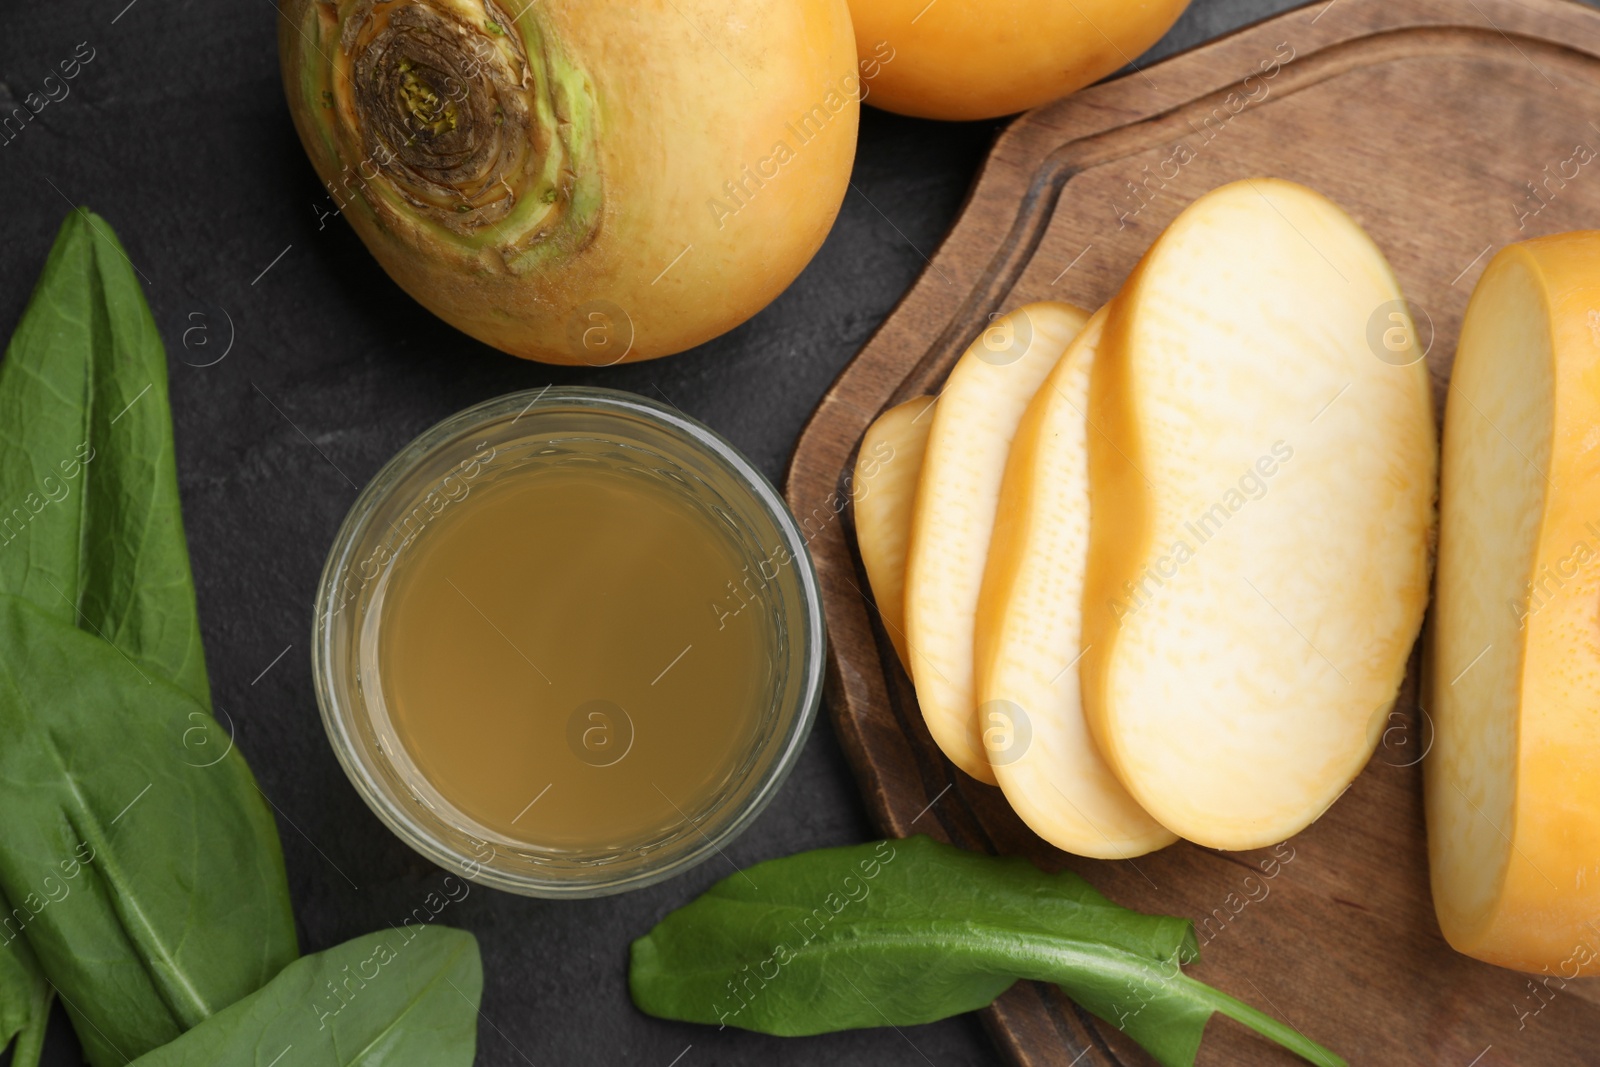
[177,133]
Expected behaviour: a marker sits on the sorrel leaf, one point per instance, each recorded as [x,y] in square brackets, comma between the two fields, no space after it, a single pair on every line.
[398,998]
[89,524]
[103,689]
[149,885]
[905,932]
[25,999]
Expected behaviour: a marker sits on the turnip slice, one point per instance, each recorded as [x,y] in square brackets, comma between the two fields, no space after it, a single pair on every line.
[883,490]
[1262,477]
[973,424]
[1030,618]
[1513,778]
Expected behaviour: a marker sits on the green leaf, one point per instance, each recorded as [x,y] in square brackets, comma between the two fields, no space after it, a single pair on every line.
[25,998]
[398,998]
[905,932]
[150,886]
[90,529]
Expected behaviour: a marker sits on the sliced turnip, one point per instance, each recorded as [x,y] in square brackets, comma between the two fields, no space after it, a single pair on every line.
[1262,472]
[1030,622]
[973,424]
[1513,779]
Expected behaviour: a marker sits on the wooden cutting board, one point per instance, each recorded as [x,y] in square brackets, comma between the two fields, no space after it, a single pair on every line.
[1448,128]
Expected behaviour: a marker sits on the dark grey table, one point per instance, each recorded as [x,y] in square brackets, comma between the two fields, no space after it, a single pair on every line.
[176,131]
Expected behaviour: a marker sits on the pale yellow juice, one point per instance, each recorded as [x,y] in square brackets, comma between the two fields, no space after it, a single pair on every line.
[575,657]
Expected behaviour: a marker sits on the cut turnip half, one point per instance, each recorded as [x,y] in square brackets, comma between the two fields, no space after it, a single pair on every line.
[882,492]
[973,424]
[1262,473]
[1513,778]
[1030,622]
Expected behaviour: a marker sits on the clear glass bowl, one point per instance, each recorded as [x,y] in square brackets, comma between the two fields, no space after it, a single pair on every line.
[525,430]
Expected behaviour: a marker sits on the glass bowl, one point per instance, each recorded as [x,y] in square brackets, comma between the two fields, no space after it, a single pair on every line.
[515,435]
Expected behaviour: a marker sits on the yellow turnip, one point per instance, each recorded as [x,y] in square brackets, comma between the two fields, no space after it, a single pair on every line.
[580,181]
[979,59]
